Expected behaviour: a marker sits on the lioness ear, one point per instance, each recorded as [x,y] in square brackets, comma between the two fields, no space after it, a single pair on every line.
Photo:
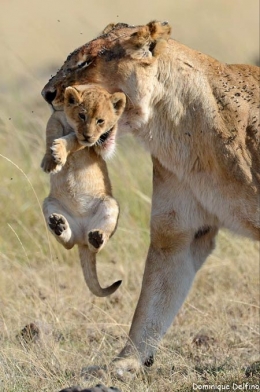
[159,30]
[140,37]
[148,41]
[72,96]
[108,28]
[118,101]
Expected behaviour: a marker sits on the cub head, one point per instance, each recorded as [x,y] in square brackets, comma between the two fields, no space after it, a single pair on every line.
[93,113]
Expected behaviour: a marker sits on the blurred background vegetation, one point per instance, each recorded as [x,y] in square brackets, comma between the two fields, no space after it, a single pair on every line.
[40,280]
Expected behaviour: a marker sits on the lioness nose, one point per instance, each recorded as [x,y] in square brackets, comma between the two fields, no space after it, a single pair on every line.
[49,95]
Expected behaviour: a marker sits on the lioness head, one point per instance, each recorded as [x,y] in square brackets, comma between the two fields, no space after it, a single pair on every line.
[109,60]
[93,113]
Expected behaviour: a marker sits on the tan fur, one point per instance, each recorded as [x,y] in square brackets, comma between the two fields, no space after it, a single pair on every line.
[80,208]
[199,118]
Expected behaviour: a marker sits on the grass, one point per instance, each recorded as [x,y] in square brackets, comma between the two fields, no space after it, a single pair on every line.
[215,337]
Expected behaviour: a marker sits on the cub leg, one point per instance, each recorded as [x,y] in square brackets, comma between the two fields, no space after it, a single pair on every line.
[64,146]
[59,222]
[55,129]
[103,224]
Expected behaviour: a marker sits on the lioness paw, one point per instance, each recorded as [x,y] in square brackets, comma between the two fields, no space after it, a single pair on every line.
[123,369]
[59,152]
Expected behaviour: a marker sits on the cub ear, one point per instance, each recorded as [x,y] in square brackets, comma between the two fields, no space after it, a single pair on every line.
[72,96]
[118,101]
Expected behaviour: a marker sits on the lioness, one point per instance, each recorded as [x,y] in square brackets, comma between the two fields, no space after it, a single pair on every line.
[199,118]
[80,208]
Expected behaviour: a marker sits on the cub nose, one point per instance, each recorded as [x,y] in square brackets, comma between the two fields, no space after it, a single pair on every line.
[49,95]
[87,138]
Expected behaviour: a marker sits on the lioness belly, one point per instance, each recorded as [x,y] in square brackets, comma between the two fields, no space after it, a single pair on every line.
[236,207]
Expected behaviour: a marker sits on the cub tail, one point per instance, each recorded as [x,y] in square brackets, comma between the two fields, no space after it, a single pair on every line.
[88,264]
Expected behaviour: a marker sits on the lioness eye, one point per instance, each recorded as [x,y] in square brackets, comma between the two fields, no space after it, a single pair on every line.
[100,121]
[85,63]
[82,116]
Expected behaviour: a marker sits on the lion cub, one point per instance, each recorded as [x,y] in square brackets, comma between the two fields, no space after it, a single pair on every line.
[80,208]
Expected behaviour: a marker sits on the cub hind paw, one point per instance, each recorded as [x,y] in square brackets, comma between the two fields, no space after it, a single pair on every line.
[96,239]
[57,223]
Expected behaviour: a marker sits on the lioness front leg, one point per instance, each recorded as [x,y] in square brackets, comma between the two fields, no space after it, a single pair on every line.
[182,236]
[168,276]
[164,290]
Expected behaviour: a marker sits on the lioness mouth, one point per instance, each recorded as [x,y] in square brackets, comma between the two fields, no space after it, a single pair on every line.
[103,137]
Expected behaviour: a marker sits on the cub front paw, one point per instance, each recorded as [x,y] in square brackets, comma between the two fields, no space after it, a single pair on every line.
[59,152]
[48,164]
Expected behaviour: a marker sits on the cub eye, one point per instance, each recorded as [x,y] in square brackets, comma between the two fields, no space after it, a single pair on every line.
[82,116]
[100,121]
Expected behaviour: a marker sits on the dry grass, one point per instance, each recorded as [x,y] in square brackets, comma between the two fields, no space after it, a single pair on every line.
[215,336]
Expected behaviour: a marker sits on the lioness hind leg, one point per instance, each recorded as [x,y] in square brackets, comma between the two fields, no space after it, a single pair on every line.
[182,236]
